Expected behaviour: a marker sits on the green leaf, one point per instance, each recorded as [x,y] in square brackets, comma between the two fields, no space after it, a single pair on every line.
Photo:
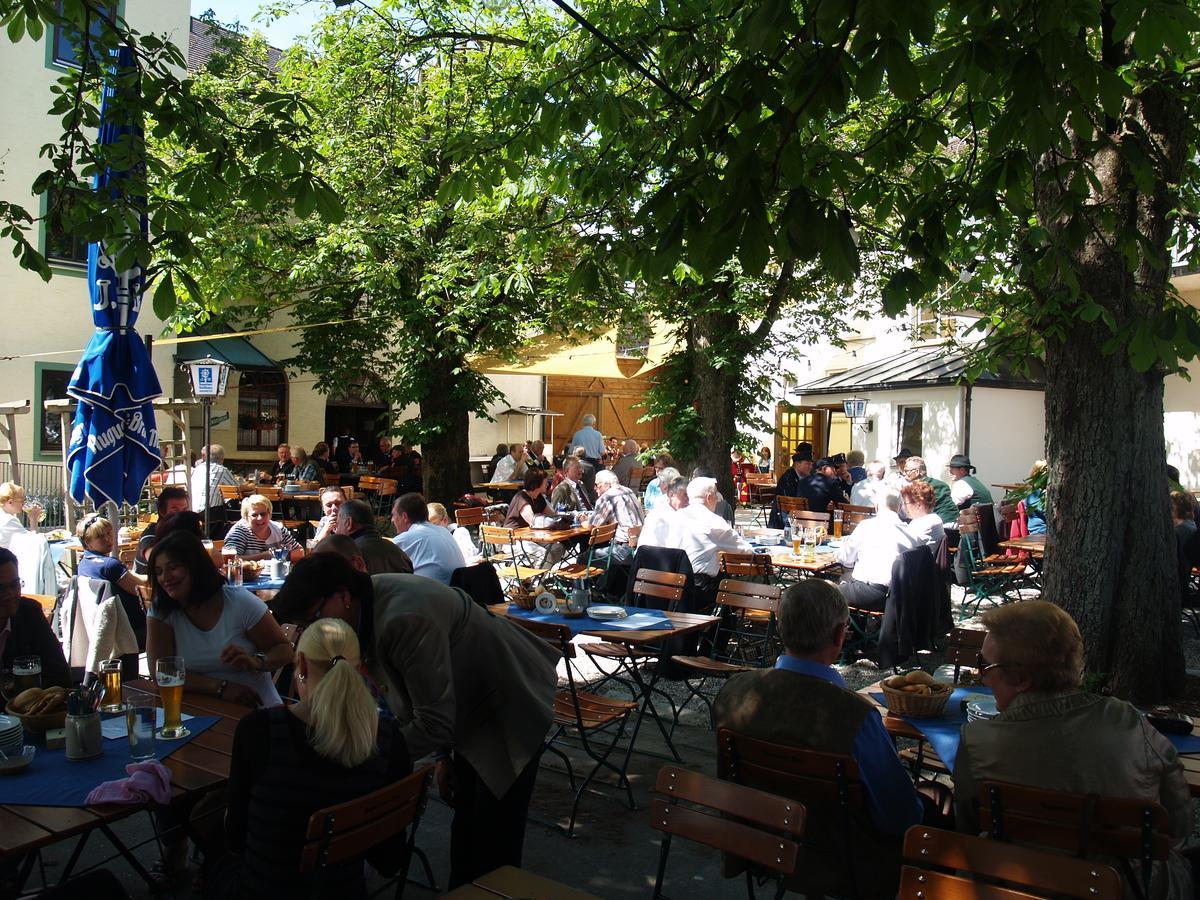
[165,301]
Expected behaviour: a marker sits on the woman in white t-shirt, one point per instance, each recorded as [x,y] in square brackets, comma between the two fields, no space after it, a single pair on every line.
[229,641]
[12,504]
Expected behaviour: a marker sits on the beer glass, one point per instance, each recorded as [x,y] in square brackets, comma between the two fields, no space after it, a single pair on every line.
[110,672]
[27,673]
[141,710]
[837,525]
[797,540]
[170,675]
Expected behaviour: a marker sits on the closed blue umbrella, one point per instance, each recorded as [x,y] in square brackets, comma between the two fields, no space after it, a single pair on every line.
[114,441]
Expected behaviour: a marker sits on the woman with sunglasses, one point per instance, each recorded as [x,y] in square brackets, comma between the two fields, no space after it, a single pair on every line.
[1053,735]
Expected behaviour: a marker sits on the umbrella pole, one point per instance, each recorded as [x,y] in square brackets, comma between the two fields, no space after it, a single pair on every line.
[207,464]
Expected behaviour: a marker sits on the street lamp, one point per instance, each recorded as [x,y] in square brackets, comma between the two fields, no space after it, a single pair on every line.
[854,409]
[209,378]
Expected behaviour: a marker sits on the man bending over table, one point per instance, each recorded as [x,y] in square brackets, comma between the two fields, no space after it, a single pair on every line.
[471,688]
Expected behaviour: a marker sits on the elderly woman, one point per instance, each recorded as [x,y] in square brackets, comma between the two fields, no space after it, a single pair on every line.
[305,469]
[924,524]
[227,637]
[256,536]
[288,762]
[12,503]
[98,537]
[1052,735]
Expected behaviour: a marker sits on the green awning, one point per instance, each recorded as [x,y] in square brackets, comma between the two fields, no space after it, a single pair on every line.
[237,351]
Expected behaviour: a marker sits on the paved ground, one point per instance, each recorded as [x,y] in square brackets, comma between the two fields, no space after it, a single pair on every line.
[614,853]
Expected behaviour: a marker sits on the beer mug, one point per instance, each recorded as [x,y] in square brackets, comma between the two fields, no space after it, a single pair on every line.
[27,673]
[170,675]
[110,673]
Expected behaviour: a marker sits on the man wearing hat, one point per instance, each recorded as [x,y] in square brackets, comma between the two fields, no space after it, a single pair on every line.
[896,478]
[965,489]
[789,484]
[822,487]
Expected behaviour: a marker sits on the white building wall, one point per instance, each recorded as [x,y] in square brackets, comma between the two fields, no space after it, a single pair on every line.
[1008,429]
[53,318]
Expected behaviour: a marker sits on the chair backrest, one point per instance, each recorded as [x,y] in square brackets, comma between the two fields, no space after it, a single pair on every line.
[387,486]
[602,534]
[273,494]
[949,865]
[230,491]
[667,586]
[828,784]
[635,535]
[347,831]
[964,647]
[332,479]
[1083,824]
[759,478]
[557,636]
[745,565]
[792,504]
[746,631]
[495,536]
[749,823]
[850,520]
[806,519]
[469,516]
[368,483]
[856,508]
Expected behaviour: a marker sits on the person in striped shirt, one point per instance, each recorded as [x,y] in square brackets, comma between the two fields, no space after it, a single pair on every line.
[256,536]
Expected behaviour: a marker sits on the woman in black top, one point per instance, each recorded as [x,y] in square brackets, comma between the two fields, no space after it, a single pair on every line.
[290,761]
[526,507]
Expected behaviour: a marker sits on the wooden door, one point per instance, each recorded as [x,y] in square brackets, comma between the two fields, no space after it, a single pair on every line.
[612,401]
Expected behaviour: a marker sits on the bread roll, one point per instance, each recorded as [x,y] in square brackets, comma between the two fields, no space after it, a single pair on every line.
[919,676]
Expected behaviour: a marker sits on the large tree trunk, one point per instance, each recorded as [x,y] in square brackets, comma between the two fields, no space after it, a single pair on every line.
[446,463]
[1111,555]
[716,388]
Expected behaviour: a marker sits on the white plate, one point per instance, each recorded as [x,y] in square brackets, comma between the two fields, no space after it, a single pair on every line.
[606,612]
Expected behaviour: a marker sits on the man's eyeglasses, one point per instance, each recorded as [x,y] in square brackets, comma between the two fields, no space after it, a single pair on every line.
[984,666]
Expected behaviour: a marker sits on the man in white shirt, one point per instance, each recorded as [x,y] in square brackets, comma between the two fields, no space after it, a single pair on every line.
[870,550]
[214,454]
[513,466]
[433,551]
[703,534]
[863,493]
[662,523]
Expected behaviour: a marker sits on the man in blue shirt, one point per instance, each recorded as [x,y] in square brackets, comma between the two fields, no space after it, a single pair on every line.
[432,549]
[803,702]
[591,440]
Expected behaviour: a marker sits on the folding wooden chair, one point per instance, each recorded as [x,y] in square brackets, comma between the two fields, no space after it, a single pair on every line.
[1087,825]
[850,521]
[856,508]
[761,487]
[834,798]
[668,586]
[789,505]
[601,536]
[385,494]
[598,722]
[963,649]
[758,827]
[746,566]
[945,864]
[500,548]
[743,639]
[985,581]
[346,832]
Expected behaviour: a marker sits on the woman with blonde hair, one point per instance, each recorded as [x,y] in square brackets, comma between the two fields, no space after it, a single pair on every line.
[99,537]
[288,762]
[462,536]
[12,504]
[256,536]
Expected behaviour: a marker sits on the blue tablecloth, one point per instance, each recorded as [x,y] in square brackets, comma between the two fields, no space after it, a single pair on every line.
[943,732]
[647,620]
[54,780]
[264,583]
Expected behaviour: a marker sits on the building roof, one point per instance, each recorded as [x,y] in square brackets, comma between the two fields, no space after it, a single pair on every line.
[923,367]
[202,43]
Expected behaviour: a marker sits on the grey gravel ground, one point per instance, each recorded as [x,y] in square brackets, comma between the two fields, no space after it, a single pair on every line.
[614,853]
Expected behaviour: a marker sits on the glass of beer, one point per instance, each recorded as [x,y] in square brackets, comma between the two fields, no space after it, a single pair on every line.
[797,541]
[837,525]
[27,673]
[170,674]
[110,672]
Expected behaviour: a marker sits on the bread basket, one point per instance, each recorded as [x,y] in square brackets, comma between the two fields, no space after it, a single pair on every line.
[521,597]
[40,724]
[919,706]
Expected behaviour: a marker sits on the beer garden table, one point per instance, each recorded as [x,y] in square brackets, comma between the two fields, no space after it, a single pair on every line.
[196,768]
[899,727]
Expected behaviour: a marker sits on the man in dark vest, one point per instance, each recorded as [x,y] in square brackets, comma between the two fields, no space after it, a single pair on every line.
[803,702]
[965,489]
